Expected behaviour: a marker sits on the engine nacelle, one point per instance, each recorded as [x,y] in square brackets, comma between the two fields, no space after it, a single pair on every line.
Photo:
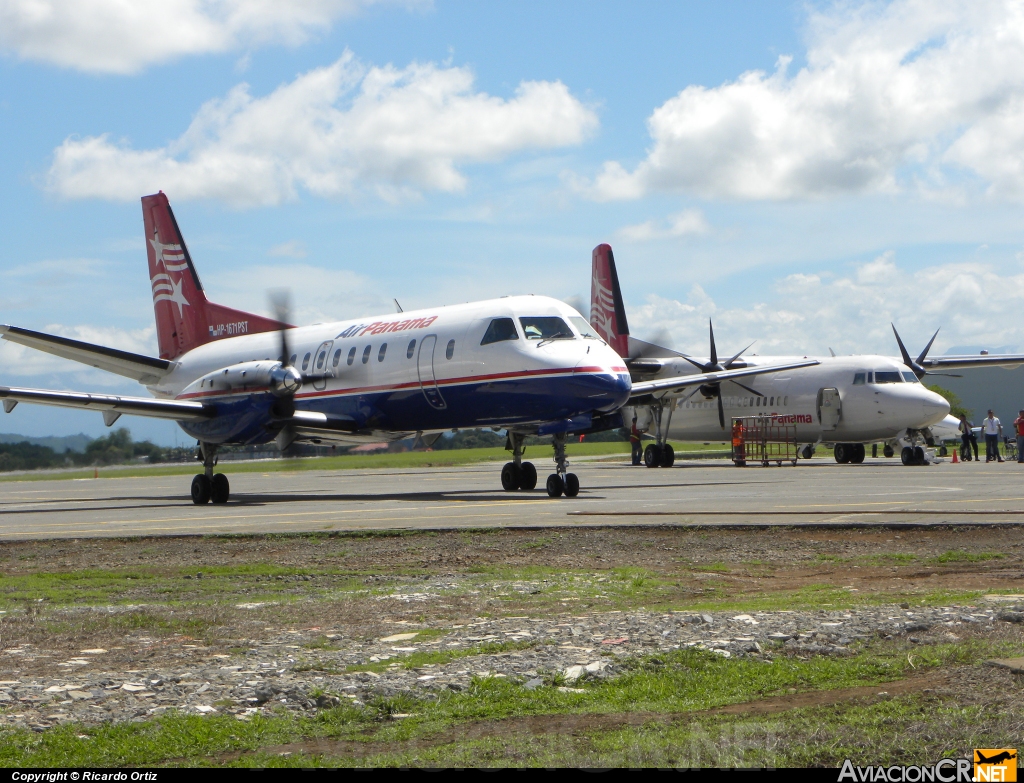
[248,378]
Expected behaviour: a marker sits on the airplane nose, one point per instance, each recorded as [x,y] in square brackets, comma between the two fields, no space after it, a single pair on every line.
[934,408]
[604,388]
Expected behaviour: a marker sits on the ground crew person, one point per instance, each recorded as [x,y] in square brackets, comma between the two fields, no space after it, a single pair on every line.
[738,452]
[992,428]
[1018,425]
[967,438]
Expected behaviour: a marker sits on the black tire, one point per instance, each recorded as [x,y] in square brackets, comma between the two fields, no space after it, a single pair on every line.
[572,485]
[857,457]
[509,477]
[740,463]
[555,486]
[201,489]
[907,455]
[220,489]
[918,455]
[668,456]
[652,456]
[842,453]
[888,450]
[527,476]
[943,451]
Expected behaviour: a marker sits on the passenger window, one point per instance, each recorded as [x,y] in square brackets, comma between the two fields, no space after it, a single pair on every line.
[772,402]
[292,360]
[382,351]
[305,361]
[785,400]
[545,328]
[366,354]
[858,378]
[500,329]
[352,355]
[320,359]
[450,350]
[410,349]
[337,358]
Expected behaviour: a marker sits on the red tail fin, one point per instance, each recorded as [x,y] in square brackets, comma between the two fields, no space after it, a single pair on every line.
[607,313]
[185,319]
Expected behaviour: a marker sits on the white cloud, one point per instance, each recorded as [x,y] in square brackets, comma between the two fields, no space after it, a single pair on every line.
[911,93]
[120,36]
[690,221]
[290,249]
[334,131]
[808,313]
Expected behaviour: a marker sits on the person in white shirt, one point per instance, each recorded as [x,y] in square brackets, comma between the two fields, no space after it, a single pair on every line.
[992,428]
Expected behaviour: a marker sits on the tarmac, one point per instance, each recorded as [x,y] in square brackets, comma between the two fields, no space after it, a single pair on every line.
[710,493]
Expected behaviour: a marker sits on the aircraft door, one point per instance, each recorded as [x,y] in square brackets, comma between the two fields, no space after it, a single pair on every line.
[830,409]
[321,365]
[425,368]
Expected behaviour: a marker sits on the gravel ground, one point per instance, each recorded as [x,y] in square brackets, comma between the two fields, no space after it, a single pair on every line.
[305,669]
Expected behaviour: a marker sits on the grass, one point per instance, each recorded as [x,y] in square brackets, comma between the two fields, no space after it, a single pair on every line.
[959,556]
[683,681]
[435,657]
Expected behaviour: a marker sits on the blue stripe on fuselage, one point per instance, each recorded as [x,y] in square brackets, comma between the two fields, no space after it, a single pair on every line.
[515,401]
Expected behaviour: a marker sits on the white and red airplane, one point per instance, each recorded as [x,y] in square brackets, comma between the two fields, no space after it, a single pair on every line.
[844,402]
[526,364]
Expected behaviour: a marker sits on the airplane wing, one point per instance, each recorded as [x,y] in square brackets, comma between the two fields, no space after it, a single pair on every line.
[144,369]
[643,388]
[111,405]
[1008,360]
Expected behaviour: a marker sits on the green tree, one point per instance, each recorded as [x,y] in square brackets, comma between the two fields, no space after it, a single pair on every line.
[956,405]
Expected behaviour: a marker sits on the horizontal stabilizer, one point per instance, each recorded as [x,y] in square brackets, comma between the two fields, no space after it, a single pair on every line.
[145,369]
[178,410]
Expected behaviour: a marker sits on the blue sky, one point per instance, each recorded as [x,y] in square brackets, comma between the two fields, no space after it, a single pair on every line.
[801,173]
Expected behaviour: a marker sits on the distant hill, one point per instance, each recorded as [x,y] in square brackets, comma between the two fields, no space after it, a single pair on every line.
[59,445]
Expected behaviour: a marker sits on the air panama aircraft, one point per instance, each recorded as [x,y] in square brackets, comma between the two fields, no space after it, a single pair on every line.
[526,364]
[843,401]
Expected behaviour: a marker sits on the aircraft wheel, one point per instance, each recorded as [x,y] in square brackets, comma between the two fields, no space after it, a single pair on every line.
[918,455]
[887,450]
[509,477]
[907,455]
[668,456]
[219,488]
[527,476]
[943,451]
[652,456]
[201,489]
[555,486]
[842,453]
[858,453]
[807,451]
[572,485]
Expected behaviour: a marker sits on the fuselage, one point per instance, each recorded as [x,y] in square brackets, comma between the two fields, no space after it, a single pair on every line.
[879,399]
[424,371]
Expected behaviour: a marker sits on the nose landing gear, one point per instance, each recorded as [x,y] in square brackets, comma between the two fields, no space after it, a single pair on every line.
[207,486]
[517,474]
[560,482]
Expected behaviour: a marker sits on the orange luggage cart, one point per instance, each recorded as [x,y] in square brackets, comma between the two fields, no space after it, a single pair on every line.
[762,439]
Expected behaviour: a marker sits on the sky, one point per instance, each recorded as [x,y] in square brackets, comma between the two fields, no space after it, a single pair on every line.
[801,173]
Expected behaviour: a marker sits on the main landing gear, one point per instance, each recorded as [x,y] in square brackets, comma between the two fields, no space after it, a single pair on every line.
[560,482]
[849,452]
[517,474]
[912,455]
[208,486]
[660,454]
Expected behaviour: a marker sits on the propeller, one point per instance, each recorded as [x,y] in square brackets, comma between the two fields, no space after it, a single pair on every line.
[915,364]
[285,380]
[710,390]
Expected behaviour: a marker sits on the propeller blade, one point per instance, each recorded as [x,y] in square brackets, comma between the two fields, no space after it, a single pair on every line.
[714,351]
[721,410]
[280,301]
[928,347]
[903,349]
[752,391]
[688,396]
[695,363]
[728,364]
[832,352]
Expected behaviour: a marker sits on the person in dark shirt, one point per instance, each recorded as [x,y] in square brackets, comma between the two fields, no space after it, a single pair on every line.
[634,441]
[967,438]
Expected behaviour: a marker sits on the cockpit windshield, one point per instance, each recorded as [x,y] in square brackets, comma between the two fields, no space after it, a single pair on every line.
[885,376]
[909,377]
[585,329]
[546,327]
